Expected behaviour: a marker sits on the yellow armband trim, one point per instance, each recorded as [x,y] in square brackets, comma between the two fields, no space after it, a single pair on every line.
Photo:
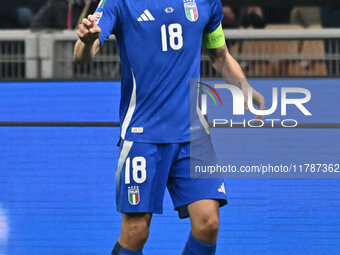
[214,39]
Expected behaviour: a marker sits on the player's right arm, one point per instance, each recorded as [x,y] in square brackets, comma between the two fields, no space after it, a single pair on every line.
[88,44]
[95,30]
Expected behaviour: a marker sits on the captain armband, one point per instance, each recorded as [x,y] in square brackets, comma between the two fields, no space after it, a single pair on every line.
[214,39]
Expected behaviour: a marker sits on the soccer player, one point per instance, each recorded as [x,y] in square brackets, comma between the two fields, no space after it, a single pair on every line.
[160,43]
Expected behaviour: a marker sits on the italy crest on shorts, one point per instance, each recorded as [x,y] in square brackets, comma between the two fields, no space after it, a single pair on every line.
[191,11]
[133,195]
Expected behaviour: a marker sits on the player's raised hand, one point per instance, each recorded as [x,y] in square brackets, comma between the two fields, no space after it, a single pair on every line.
[88,30]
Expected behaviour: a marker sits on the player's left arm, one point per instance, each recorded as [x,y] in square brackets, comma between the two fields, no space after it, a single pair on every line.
[228,67]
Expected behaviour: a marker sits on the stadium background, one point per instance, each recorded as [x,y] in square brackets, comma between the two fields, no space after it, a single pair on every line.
[58,131]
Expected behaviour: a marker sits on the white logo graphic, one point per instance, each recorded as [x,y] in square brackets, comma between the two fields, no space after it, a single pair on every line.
[146,16]
[239,109]
[222,189]
[238,100]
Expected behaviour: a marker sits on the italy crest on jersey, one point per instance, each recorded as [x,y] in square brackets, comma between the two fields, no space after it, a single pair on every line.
[133,194]
[191,11]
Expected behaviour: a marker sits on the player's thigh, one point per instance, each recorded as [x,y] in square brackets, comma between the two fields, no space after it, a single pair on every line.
[140,178]
[185,190]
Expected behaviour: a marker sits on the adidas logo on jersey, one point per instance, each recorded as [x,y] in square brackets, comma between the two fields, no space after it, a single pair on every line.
[146,16]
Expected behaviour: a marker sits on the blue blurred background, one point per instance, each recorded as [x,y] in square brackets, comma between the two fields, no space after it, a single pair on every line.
[57,189]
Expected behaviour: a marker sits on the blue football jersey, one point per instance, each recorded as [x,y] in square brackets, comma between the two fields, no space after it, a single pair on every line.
[159,42]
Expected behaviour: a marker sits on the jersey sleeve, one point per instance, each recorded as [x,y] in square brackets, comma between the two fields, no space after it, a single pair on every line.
[106,18]
[216,16]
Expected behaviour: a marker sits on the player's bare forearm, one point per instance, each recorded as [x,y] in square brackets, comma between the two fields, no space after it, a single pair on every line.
[88,44]
[83,53]
[227,66]
[231,72]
